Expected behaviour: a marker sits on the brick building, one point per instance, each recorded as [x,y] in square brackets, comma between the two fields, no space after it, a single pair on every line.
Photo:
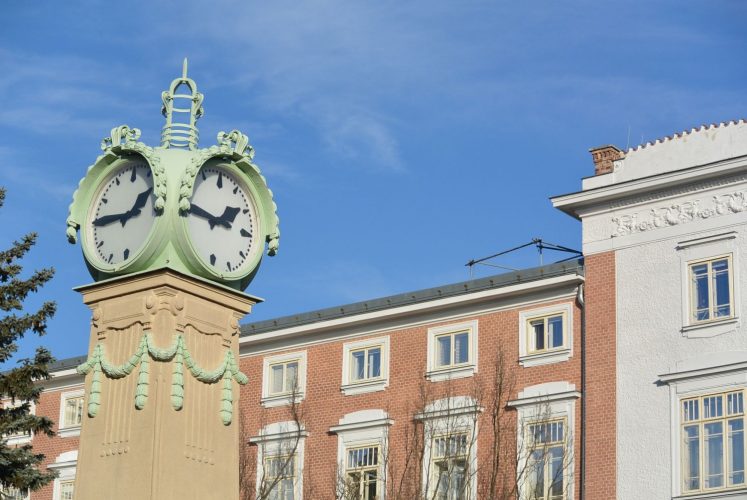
[619,377]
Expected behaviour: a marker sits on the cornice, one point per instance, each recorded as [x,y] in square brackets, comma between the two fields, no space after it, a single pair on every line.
[656,187]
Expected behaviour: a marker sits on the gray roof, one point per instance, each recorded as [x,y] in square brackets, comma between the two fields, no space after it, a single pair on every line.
[497,281]
[439,292]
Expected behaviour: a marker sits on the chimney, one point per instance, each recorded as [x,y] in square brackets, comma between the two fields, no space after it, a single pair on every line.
[603,157]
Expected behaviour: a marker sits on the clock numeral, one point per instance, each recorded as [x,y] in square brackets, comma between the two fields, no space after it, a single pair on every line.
[116,179]
[228,264]
[245,211]
[105,201]
[126,253]
[101,243]
[111,256]
[220,180]
[134,175]
[241,252]
[148,173]
[235,189]
[245,233]
[212,259]
[204,177]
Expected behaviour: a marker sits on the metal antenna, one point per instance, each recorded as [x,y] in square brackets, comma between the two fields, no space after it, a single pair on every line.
[539,243]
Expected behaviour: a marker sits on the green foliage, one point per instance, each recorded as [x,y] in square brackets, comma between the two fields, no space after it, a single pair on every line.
[19,465]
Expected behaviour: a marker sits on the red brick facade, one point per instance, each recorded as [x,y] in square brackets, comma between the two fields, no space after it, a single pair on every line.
[600,387]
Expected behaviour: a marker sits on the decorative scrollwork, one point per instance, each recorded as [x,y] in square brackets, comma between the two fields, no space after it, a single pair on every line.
[119,136]
[237,142]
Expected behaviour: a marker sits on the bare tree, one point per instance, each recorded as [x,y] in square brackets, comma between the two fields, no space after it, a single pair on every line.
[280,470]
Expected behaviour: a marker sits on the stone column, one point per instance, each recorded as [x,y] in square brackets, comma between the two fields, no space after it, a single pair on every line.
[161,414]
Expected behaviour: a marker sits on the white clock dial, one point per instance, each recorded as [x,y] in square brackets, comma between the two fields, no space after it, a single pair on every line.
[222,220]
[122,214]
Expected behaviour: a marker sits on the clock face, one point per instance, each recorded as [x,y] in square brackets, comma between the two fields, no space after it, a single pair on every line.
[222,220]
[122,214]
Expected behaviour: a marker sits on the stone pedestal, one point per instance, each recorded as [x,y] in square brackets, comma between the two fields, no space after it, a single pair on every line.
[161,414]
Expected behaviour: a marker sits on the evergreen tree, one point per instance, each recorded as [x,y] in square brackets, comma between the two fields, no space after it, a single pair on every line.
[19,465]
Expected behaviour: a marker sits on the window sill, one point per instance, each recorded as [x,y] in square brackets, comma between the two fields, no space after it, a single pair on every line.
[735,494]
[71,431]
[364,387]
[710,328]
[281,400]
[18,440]
[545,358]
[450,373]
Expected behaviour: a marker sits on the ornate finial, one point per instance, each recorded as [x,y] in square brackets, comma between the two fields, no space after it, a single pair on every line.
[180,130]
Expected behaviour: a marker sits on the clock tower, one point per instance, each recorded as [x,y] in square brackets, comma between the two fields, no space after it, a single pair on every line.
[172,235]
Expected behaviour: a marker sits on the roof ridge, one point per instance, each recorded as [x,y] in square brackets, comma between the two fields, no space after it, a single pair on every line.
[678,135]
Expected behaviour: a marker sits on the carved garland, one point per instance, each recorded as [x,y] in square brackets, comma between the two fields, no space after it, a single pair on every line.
[681,213]
[178,351]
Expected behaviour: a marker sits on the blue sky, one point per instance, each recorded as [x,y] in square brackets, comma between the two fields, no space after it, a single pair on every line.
[401,139]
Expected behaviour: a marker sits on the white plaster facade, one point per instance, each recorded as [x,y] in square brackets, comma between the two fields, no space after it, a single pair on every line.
[665,205]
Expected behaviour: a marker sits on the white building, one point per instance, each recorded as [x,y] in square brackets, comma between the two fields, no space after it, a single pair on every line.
[674,215]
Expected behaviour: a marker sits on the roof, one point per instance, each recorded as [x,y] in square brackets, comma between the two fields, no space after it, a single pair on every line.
[408,298]
[462,288]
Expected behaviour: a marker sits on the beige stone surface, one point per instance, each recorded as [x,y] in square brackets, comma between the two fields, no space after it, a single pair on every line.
[159,452]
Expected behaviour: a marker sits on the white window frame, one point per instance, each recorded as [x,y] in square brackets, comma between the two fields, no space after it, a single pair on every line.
[359,429]
[66,465]
[708,248]
[715,373]
[19,439]
[25,497]
[277,439]
[529,357]
[350,386]
[450,416]
[69,430]
[436,373]
[286,398]
[541,403]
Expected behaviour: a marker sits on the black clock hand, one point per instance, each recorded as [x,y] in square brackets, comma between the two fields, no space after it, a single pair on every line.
[107,219]
[199,212]
[140,201]
[229,214]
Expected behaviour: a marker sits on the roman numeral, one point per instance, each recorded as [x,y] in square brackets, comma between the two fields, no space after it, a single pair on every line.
[245,233]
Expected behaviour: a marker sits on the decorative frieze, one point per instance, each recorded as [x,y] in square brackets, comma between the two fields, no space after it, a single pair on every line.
[680,213]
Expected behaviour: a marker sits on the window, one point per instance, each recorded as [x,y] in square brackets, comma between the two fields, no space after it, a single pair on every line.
[546,335]
[545,474]
[449,456]
[19,437]
[713,443]
[284,379]
[365,366]
[66,489]
[71,413]
[280,477]
[12,493]
[452,351]
[362,473]
[710,289]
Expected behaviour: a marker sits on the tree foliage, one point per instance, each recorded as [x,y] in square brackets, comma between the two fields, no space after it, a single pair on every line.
[19,465]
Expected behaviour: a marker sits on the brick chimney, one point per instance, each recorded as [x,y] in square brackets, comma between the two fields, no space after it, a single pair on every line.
[603,157]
